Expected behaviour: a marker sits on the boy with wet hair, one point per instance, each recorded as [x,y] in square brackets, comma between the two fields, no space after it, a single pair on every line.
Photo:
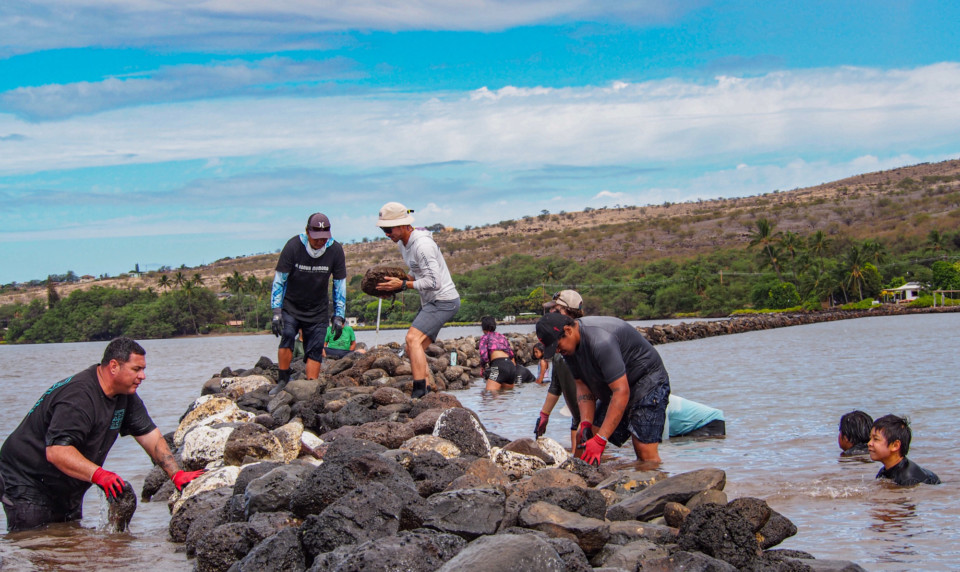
[889,444]
[854,433]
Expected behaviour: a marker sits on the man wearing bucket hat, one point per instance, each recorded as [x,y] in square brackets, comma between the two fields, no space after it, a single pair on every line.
[622,385]
[439,299]
[299,300]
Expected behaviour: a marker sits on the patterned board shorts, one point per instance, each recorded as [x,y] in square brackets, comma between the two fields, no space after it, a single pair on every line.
[646,416]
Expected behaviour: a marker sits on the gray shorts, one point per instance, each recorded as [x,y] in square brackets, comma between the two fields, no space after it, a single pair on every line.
[433,315]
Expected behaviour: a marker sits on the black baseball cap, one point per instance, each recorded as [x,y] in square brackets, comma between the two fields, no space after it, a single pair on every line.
[550,330]
[318,226]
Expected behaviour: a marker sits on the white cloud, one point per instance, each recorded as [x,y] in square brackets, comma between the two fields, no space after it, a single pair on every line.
[170,84]
[28,25]
[609,195]
[812,114]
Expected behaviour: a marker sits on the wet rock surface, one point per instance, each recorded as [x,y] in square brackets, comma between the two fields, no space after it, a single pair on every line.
[120,510]
[347,473]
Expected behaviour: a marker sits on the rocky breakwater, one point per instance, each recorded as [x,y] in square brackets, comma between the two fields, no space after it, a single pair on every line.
[347,473]
[662,334]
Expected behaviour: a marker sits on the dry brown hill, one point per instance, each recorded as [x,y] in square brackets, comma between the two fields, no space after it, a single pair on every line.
[897,205]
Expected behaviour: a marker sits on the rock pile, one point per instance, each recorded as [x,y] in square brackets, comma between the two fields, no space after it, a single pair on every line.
[662,334]
[347,473]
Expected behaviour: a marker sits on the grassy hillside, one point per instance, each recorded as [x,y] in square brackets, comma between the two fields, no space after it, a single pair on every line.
[899,207]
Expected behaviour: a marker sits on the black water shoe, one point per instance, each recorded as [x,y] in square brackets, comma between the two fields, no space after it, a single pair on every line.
[419,388]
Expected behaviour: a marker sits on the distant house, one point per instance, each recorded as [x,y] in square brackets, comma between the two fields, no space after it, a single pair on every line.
[87,278]
[906,293]
[235,323]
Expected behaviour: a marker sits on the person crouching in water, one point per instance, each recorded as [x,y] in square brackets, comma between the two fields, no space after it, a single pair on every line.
[622,384]
[497,359]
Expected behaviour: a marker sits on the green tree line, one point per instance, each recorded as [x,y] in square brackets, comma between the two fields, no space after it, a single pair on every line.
[777,270]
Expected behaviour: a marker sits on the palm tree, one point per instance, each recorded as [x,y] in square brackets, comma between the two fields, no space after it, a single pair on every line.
[854,267]
[764,236]
[818,243]
[935,240]
[875,251]
[258,288]
[188,291]
[698,278]
[164,282]
[179,279]
[792,244]
[235,284]
[197,280]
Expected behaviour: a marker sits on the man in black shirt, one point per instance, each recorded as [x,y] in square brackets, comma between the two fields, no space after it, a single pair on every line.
[622,385]
[300,302]
[54,455]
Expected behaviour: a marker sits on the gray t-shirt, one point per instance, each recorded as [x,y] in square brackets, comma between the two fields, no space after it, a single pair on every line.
[609,348]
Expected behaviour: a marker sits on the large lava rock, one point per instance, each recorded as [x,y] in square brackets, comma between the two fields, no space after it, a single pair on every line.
[378,274]
[420,550]
[369,512]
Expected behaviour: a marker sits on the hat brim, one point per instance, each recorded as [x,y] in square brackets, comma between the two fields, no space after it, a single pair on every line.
[549,305]
[315,234]
[395,222]
[550,351]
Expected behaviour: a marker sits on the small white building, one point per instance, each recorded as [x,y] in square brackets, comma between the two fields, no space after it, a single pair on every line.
[907,292]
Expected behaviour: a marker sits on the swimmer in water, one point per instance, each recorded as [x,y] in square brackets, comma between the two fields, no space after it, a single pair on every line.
[889,444]
[854,434]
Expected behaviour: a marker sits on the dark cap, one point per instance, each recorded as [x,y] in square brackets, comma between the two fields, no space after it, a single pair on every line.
[550,330]
[318,226]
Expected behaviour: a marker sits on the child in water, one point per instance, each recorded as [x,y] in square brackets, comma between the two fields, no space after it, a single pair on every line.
[854,433]
[889,444]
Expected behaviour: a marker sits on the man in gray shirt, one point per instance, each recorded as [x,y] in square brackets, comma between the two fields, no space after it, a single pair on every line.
[622,385]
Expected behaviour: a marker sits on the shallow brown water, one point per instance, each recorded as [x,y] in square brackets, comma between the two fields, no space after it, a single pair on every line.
[782,392]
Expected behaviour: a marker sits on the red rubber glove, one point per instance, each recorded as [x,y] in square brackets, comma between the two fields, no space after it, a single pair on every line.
[111,483]
[584,433]
[541,426]
[593,449]
[181,478]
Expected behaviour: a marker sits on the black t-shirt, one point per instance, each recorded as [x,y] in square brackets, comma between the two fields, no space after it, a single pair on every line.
[610,348]
[74,412]
[305,297]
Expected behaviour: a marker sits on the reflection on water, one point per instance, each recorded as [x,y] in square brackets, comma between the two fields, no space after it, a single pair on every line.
[782,392]
[893,517]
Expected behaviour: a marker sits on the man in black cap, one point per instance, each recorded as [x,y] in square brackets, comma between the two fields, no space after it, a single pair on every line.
[299,300]
[622,385]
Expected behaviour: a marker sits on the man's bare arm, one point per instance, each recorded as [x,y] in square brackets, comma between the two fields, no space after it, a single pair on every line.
[156,446]
[71,462]
[586,402]
[619,398]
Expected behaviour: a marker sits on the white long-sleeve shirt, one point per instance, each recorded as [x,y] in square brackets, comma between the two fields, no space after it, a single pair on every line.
[431,277]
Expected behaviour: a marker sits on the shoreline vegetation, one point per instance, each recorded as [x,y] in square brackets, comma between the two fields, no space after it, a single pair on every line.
[838,245]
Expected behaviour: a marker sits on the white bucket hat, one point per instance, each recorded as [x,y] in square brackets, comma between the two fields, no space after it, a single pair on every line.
[394,214]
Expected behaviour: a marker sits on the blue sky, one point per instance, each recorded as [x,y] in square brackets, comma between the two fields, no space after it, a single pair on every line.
[169,132]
